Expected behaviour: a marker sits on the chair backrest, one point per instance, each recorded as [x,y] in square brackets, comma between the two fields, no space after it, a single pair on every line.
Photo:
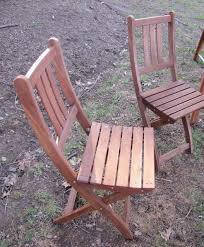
[49,79]
[152,46]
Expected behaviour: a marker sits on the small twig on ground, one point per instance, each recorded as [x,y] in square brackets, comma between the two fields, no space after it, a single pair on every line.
[72,155]
[188,213]
[81,228]
[168,180]
[5,207]
[8,25]
[181,22]
[88,89]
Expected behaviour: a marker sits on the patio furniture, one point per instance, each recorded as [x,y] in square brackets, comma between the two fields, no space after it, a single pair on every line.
[199,49]
[195,114]
[117,159]
[172,101]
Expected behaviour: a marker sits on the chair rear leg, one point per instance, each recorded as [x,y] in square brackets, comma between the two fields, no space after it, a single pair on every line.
[147,123]
[188,133]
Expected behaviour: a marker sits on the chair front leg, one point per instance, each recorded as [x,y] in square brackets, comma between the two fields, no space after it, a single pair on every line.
[188,133]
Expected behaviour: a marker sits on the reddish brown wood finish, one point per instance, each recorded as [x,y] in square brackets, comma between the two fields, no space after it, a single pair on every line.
[172,101]
[108,151]
[195,114]
[120,161]
[199,48]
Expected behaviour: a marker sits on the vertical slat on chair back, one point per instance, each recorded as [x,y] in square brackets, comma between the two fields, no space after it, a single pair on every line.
[49,79]
[47,83]
[152,37]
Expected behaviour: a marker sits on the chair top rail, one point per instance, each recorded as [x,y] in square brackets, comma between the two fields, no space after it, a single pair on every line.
[150,20]
[40,64]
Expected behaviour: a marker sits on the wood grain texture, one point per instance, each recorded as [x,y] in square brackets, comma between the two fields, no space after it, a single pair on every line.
[89,153]
[152,20]
[148,165]
[179,101]
[48,107]
[153,44]
[159,43]
[188,110]
[52,99]
[56,91]
[185,105]
[136,158]
[145,32]
[100,156]
[167,92]
[162,88]
[67,127]
[113,156]
[124,158]
[195,114]
[172,97]
[188,133]
[199,47]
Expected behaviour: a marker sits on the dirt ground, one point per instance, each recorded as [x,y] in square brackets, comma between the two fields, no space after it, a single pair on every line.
[93,35]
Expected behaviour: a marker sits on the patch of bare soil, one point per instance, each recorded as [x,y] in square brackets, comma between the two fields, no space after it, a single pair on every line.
[93,36]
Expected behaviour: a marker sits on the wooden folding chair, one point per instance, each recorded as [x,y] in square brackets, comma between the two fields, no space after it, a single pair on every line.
[116,158]
[195,114]
[199,49]
[172,101]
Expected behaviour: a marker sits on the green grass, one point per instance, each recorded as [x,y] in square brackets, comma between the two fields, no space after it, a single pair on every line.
[37,169]
[198,141]
[42,196]
[51,209]
[4,243]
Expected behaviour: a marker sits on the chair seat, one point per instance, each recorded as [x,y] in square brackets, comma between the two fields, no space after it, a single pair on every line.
[118,158]
[173,100]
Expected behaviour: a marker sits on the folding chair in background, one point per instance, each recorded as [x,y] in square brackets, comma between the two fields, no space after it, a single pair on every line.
[117,159]
[199,49]
[170,102]
[195,114]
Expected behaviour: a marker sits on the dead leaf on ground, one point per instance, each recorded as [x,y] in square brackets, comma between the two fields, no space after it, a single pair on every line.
[10,180]
[166,235]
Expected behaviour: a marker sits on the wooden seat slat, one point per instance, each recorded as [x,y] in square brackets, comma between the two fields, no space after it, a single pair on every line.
[184,105]
[148,163]
[53,102]
[166,93]
[188,110]
[100,156]
[124,158]
[56,91]
[172,97]
[89,153]
[161,88]
[113,156]
[46,102]
[136,158]
[178,101]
